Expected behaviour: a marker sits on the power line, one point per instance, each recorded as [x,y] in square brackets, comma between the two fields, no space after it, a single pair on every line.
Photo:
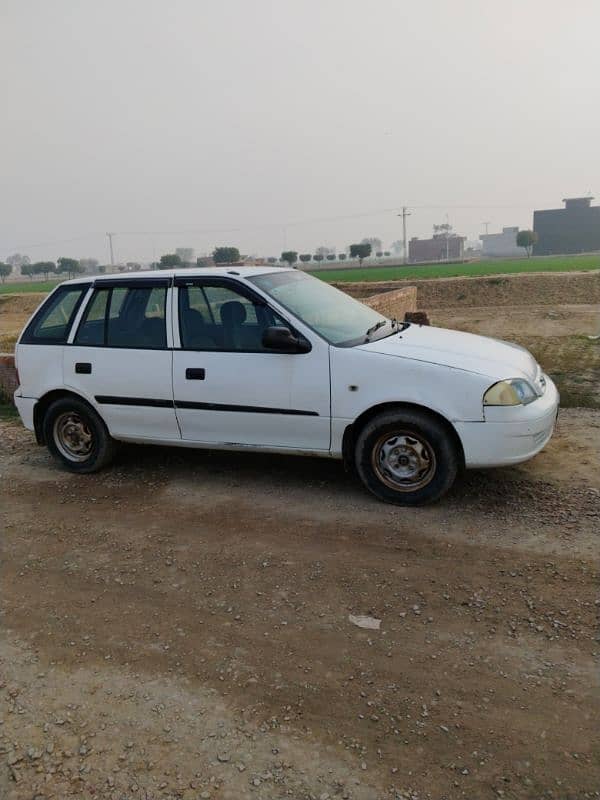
[275,225]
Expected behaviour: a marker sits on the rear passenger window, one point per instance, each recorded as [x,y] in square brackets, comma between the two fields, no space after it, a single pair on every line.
[91,328]
[52,322]
[125,316]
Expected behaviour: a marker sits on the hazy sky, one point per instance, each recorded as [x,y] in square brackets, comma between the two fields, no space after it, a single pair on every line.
[260,123]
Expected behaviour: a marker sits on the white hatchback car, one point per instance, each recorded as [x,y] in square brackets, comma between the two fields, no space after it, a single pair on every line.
[274,360]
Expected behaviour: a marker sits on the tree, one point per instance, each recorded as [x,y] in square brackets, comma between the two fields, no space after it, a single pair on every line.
[376,244]
[69,265]
[271,260]
[323,251]
[386,253]
[379,253]
[318,257]
[27,270]
[304,257]
[398,247]
[43,268]
[526,240]
[186,254]
[101,269]
[17,260]
[226,255]
[330,256]
[5,270]
[342,256]
[169,260]
[289,256]
[360,251]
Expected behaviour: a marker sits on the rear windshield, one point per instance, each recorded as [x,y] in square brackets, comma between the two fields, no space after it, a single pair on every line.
[52,323]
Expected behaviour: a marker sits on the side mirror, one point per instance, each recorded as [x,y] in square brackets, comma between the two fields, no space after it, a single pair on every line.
[277,337]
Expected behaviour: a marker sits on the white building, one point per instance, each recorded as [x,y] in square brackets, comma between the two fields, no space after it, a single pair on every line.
[501,244]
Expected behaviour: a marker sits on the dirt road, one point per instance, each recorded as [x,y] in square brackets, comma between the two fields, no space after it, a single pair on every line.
[177,627]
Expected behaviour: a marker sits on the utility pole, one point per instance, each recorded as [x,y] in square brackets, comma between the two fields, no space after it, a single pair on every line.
[112,255]
[405,213]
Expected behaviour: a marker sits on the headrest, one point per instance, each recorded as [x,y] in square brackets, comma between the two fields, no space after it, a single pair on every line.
[233,313]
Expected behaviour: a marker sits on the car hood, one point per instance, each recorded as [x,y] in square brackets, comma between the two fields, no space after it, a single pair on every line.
[467,351]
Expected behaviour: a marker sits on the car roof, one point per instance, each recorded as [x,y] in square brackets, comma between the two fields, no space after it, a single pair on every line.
[193,272]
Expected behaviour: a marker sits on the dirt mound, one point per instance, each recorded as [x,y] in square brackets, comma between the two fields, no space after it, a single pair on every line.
[20,303]
[522,289]
[15,310]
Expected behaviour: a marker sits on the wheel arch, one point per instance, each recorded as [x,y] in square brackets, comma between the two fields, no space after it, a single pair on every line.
[352,431]
[44,403]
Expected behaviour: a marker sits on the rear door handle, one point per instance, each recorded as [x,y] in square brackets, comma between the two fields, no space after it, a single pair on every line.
[83,368]
[195,374]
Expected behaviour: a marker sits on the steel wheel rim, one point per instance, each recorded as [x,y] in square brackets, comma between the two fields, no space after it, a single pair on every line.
[72,436]
[404,461]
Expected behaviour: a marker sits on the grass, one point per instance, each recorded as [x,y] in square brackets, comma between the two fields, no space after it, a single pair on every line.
[7,409]
[473,268]
[573,363]
[20,287]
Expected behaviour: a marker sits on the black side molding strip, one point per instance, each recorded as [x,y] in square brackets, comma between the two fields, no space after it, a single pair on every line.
[247,409]
[111,400]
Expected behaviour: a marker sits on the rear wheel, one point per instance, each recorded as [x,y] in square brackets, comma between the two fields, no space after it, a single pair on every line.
[406,457]
[76,436]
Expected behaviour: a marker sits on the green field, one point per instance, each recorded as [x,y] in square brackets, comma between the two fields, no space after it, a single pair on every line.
[473,268]
[19,287]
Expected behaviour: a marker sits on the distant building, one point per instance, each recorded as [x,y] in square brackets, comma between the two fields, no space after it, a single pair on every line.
[252,261]
[501,244]
[439,248]
[572,229]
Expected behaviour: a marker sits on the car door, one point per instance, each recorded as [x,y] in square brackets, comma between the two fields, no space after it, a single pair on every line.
[120,358]
[231,390]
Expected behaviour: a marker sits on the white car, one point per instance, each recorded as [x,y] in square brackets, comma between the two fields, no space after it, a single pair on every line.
[274,360]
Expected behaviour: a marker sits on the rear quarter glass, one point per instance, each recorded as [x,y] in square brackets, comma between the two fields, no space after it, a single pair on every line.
[52,322]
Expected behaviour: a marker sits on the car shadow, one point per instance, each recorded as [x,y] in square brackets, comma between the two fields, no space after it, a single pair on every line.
[501,491]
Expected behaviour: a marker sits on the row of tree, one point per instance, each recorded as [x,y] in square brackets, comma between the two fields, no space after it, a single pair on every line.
[231,255]
[63,266]
[360,250]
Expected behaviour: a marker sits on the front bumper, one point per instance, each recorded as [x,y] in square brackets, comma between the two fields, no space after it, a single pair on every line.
[510,435]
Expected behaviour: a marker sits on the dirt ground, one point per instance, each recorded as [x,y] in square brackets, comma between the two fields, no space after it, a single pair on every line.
[178,627]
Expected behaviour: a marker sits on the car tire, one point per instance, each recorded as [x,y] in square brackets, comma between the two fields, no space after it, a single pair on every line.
[406,457]
[77,436]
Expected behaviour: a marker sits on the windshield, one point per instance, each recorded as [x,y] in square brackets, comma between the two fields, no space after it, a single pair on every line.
[336,316]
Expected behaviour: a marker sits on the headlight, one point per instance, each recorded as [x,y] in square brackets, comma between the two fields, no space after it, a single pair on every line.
[513,392]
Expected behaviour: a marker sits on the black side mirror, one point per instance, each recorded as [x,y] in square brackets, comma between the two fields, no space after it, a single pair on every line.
[277,337]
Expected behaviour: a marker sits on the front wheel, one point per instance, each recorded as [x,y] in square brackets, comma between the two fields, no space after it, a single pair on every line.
[76,436]
[406,457]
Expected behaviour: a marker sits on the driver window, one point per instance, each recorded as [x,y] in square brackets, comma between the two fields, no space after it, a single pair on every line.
[221,318]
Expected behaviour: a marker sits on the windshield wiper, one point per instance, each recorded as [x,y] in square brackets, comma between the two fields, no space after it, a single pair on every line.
[376,327]
[397,327]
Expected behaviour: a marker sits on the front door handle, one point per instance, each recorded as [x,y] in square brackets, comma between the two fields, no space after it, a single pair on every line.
[83,368]
[195,374]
